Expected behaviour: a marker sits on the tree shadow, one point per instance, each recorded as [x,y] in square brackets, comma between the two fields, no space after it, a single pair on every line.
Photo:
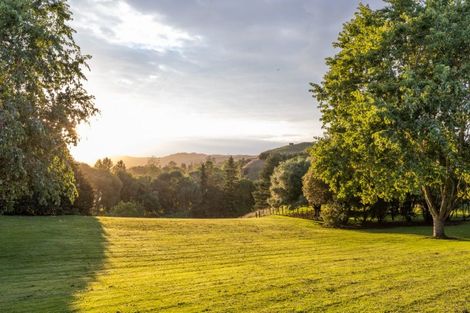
[46,261]
[459,232]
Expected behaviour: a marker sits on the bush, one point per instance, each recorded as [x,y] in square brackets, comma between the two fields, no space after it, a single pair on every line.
[128,209]
[333,215]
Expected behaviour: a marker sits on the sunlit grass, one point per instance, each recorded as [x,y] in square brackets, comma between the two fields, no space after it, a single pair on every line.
[271,264]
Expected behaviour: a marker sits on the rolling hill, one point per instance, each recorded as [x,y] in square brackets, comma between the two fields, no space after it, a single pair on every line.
[287,150]
[253,168]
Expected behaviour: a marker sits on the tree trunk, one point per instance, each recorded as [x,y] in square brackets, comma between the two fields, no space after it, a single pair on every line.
[316,210]
[438,228]
[441,212]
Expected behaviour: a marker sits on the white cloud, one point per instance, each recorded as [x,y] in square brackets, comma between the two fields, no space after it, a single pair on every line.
[118,23]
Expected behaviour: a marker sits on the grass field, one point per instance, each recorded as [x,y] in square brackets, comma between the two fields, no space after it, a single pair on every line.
[272,264]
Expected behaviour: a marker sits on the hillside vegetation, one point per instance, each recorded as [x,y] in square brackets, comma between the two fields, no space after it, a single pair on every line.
[291,149]
[179,158]
[274,264]
[253,169]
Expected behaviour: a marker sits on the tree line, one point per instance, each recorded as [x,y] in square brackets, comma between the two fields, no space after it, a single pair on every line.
[206,190]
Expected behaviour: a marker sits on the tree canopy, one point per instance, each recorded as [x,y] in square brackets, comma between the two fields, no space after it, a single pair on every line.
[42,99]
[286,182]
[396,105]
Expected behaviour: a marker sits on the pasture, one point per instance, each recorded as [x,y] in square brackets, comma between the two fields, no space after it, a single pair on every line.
[270,264]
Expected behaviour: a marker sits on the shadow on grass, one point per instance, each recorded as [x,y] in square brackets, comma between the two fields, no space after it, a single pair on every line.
[459,232]
[46,261]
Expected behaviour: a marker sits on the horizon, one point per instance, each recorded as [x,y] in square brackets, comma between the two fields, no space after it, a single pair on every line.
[118,157]
[212,77]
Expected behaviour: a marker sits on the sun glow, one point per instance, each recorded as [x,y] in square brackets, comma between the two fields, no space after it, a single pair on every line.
[129,132]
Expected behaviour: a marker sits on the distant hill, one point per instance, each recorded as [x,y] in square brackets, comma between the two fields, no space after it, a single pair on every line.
[253,169]
[287,150]
[178,158]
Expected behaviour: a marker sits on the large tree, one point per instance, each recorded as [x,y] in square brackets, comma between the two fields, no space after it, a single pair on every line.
[42,100]
[286,182]
[315,191]
[396,106]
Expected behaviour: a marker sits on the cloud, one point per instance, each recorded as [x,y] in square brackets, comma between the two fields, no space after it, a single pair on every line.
[117,22]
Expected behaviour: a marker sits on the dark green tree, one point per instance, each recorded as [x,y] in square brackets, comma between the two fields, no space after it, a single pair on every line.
[244,197]
[84,202]
[106,186]
[262,185]
[200,209]
[42,100]
[230,185]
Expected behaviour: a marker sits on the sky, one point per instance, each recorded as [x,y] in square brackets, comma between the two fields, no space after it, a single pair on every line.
[220,76]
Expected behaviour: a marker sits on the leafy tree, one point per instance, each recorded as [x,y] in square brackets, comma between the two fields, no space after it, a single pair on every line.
[286,182]
[105,164]
[212,196]
[188,195]
[315,191]
[128,209]
[201,209]
[244,197]
[130,186]
[42,100]
[177,193]
[395,105]
[149,170]
[120,166]
[262,192]
[106,186]
[85,201]
[334,214]
[148,197]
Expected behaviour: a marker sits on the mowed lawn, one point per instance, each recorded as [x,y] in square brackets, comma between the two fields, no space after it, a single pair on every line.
[271,264]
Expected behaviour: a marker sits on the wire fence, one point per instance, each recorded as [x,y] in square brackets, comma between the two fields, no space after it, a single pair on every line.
[300,212]
[462,213]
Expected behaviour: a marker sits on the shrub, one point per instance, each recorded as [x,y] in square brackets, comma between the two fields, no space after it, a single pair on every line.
[128,209]
[333,215]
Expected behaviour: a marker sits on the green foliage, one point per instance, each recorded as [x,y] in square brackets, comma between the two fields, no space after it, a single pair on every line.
[128,209]
[230,183]
[42,100]
[150,170]
[315,191]
[286,182]
[262,192]
[395,106]
[244,197]
[105,164]
[288,151]
[106,186]
[334,214]
[85,201]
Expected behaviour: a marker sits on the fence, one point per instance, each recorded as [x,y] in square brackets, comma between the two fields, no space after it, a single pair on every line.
[300,212]
[460,214]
